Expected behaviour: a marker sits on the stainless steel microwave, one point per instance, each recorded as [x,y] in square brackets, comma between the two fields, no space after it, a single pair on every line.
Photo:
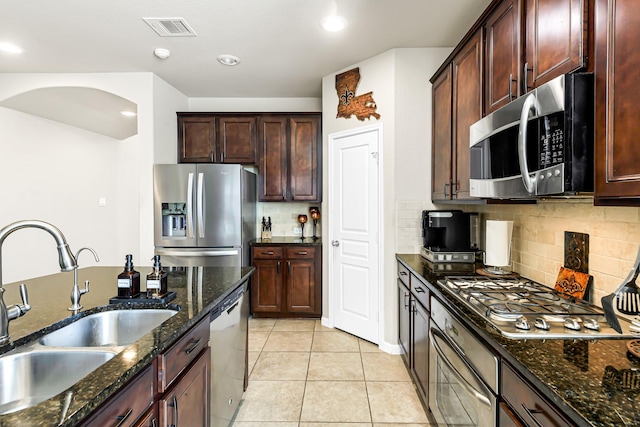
[540,144]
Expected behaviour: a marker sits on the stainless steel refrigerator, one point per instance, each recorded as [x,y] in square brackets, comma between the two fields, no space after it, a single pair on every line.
[204,214]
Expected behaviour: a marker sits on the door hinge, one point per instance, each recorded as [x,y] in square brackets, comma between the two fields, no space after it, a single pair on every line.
[374,154]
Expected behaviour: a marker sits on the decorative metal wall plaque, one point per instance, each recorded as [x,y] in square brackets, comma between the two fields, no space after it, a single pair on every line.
[349,104]
[576,251]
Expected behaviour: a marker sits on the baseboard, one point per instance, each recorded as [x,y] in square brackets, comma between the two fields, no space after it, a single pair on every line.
[326,322]
[390,348]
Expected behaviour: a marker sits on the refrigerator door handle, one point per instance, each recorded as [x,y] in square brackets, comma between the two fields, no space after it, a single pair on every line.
[170,252]
[200,205]
[190,219]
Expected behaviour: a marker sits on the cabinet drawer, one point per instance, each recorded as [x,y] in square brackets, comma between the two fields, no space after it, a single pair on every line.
[305,252]
[403,274]
[267,252]
[533,408]
[182,353]
[128,405]
[420,291]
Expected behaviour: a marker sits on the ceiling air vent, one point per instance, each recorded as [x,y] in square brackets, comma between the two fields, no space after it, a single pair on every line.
[170,27]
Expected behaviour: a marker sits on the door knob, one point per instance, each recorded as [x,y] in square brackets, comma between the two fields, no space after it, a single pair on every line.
[335,243]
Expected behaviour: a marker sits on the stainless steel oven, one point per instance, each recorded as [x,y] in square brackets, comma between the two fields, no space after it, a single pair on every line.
[463,374]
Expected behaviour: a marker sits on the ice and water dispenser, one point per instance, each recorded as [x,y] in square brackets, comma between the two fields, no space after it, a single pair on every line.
[174,219]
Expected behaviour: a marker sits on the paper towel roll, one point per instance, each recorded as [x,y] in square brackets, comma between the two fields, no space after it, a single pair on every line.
[498,243]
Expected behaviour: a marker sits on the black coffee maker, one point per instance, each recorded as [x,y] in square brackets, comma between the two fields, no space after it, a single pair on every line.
[450,231]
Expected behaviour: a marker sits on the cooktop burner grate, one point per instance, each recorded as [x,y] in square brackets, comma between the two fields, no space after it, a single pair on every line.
[521,308]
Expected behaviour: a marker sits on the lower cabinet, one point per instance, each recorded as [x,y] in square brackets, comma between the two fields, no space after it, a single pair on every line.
[404,322]
[187,402]
[420,346]
[171,392]
[532,408]
[287,281]
[130,404]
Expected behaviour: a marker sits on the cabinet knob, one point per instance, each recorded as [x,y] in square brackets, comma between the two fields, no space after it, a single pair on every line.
[335,243]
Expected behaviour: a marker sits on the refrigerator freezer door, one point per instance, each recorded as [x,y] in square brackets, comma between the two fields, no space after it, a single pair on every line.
[174,205]
[205,257]
[219,207]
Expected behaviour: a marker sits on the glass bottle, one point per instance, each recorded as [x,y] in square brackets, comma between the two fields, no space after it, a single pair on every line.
[128,280]
[156,280]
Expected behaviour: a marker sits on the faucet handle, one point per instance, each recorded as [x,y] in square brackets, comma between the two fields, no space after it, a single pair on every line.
[18,310]
[86,288]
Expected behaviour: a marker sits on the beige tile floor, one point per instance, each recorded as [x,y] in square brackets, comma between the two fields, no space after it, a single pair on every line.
[302,374]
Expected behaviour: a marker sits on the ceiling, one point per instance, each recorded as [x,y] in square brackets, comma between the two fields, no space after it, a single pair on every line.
[282,49]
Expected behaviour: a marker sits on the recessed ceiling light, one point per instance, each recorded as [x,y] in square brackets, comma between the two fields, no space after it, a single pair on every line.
[229,60]
[128,113]
[333,23]
[9,48]
[162,53]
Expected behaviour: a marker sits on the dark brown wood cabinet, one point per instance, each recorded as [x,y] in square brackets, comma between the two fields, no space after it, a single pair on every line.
[290,158]
[129,404]
[556,39]
[216,138]
[287,281]
[450,172]
[236,140]
[502,55]
[532,408]
[617,30]
[187,402]
[196,138]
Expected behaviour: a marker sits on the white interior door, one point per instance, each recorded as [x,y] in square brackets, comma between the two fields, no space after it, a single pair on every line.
[354,230]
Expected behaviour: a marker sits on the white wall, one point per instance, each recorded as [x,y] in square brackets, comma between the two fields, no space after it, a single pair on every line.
[252,105]
[399,80]
[56,173]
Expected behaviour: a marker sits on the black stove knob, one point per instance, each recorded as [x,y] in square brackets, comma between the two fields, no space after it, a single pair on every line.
[541,324]
[571,323]
[591,324]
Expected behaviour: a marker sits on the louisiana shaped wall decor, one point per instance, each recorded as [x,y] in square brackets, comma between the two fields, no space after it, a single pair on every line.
[349,104]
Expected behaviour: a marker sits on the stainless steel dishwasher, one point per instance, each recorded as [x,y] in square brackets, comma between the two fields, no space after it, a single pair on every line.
[228,340]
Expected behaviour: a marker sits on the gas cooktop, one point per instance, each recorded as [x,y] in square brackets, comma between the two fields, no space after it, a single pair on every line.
[522,309]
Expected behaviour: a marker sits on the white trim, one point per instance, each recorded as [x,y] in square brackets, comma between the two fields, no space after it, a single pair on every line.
[329,312]
[390,348]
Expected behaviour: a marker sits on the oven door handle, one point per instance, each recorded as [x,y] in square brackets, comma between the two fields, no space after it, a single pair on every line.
[437,335]
[530,105]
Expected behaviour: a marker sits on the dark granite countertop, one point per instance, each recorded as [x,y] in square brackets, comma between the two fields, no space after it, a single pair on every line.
[49,299]
[284,240]
[571,374]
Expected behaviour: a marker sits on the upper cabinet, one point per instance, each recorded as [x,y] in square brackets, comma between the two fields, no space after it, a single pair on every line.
[290,158]
[502,55]
[556,39]
[617,59]
[457,104]
[212,138]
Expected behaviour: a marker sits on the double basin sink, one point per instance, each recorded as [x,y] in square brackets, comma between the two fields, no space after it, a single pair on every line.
[44,368]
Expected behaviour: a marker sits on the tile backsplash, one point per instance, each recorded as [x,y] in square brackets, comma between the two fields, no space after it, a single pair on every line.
[538,236]
[284,218]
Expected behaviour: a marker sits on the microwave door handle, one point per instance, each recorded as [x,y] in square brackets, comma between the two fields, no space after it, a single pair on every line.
[190,220]
[200,205]
[436,336]
[530,105]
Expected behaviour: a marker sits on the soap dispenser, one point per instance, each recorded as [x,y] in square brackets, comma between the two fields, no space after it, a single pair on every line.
[128,280]
[156,280]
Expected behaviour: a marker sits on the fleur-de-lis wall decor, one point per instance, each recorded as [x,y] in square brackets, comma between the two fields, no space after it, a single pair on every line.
[349,104]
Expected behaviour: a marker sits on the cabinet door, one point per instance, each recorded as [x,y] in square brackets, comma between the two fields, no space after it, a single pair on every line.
[266,286]
[441,137]
[149,420]
[187,403]
[506,418]
[502,55]
[420,344]
[305,159]
[236,140]
[404,322]
[196,139]
[556,39]
[617,59]
[467,109]
[272,177]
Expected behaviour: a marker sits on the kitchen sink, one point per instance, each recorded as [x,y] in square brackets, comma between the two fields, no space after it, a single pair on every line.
[108,328]
[28,378]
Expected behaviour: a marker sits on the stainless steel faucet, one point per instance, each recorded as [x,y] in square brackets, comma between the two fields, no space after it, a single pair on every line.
[65,258]
[76,292]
